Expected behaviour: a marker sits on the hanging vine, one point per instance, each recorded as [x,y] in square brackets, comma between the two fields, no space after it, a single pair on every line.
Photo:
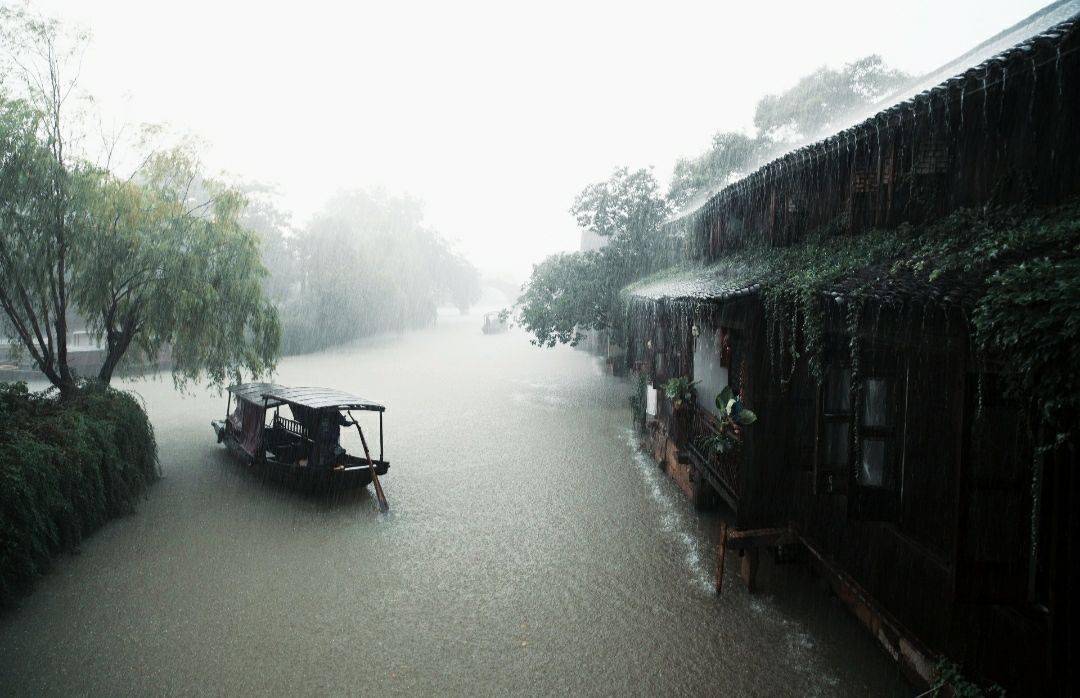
[1014,275]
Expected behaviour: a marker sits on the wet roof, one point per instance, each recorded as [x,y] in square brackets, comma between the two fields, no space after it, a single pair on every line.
[1046,27]
[315,398]
[1043,24]
[723,281]
[877,282]
[252,392]
[731,279]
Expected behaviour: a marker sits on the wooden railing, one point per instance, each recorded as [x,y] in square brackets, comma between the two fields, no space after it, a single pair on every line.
[721,469]
[291,426]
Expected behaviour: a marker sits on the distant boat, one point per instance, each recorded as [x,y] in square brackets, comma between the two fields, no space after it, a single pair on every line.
[494,323]
[306,443]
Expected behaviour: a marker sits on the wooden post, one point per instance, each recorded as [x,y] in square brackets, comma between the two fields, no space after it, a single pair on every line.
[721,553]
[749,566]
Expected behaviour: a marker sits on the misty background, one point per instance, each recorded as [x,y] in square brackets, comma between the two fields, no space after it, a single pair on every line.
[489,117]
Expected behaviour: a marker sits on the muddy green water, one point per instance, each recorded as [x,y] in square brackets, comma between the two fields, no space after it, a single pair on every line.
[530,549]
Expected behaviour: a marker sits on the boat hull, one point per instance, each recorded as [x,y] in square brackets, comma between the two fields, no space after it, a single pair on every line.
[355,475]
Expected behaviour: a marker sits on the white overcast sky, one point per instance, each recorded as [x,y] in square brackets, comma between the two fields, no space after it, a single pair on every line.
[496,114]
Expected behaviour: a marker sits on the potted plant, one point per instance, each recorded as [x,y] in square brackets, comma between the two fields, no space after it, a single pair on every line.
[732,418]
[680,391]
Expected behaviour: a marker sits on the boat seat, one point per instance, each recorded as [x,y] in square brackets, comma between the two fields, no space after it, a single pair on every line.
[285,445]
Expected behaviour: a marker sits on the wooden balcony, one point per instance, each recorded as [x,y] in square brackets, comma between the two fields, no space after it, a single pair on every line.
[721,470]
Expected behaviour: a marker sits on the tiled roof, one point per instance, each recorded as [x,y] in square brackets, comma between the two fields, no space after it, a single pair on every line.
[1045,29]
[722,281]
[887,288]
[732,279]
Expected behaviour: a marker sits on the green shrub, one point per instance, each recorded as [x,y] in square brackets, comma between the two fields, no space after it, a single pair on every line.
[65,468]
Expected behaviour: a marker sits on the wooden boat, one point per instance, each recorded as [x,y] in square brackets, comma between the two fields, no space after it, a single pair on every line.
[305,442]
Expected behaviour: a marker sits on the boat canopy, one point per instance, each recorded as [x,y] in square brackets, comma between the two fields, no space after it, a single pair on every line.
[273,394]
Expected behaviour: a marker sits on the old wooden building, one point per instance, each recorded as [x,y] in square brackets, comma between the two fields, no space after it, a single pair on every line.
[887,445]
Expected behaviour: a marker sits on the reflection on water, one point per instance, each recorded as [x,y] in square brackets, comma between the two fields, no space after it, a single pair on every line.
[530,548]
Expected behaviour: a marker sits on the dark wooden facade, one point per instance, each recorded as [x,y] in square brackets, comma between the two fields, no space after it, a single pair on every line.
[1002,132]
[914,478]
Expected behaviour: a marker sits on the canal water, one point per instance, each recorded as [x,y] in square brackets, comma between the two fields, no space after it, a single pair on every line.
[530,549]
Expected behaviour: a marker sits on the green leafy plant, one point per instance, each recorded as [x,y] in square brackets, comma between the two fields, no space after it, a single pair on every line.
[732,416]
[570,294]
[151,259]
[680,390]
[732,408]
[66,467]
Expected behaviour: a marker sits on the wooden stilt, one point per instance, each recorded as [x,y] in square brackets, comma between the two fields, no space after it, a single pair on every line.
[749,567]
[721,553]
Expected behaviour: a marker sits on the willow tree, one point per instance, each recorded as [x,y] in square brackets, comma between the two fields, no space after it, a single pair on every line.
[40,61]
[145,262]
[158,269]
[34,243]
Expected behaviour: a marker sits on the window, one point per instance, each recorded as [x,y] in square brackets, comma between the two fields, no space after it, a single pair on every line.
[875,391]
[835,452]
[711,358]
[859,447]
[875,435]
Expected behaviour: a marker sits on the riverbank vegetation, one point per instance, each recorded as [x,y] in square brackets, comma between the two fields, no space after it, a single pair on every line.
[66,467]
[139,244]
[151,258]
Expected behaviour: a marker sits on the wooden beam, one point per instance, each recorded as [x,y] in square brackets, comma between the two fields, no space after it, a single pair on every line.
[915,660]
[758,537]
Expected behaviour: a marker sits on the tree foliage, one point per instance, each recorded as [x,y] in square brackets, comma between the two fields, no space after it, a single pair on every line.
[365,264]
[37,176]
[459,280]
[143,260]
[570,293]
[731,153]
[276,233]
[158,269]
[813,107]
[33,242]
[819,102]
[578,291]
[567,295]
[626,203]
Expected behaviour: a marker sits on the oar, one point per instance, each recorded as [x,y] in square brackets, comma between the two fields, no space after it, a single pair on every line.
[374,475]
